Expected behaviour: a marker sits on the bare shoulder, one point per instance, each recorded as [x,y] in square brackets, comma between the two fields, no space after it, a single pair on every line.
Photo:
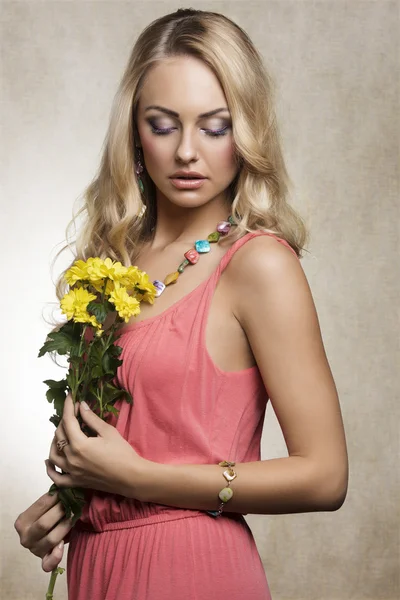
[261,264]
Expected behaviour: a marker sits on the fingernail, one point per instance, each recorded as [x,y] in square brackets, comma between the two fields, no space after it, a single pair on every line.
[60,545]
[84,405]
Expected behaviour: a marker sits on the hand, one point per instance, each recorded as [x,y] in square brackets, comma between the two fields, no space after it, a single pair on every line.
[35,529]
[107,462]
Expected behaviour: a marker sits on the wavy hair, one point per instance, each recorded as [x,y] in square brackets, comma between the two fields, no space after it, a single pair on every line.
[118,217]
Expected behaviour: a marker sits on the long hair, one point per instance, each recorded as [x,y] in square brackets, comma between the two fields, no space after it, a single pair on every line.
[118,217]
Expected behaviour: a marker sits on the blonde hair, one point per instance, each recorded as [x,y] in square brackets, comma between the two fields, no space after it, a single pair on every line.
[118,217]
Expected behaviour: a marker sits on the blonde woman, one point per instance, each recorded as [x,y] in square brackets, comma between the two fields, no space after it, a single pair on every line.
[192,150]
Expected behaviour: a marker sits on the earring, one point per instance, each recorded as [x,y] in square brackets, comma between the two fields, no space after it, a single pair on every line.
[139,168]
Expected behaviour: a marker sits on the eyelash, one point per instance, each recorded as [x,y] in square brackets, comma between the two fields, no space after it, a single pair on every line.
[210,132]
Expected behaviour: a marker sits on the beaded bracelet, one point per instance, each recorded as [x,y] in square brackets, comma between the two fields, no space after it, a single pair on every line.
[226,493]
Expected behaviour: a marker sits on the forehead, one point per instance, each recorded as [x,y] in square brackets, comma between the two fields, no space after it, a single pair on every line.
[183,84]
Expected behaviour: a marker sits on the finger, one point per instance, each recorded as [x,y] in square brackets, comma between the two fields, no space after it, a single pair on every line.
[60,432]
[51,540]
[37,509]
[93,421]
[61,480]
[71,424]
[51,560]
[36,533]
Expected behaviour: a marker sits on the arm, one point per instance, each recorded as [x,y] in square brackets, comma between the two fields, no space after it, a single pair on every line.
[278,315]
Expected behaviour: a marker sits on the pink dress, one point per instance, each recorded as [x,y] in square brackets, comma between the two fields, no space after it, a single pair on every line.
[185,410]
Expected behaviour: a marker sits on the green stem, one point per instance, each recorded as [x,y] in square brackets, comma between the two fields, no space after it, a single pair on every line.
[53,577]
[82,338]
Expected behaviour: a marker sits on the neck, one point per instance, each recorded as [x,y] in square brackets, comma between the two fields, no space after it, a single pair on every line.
[182,225]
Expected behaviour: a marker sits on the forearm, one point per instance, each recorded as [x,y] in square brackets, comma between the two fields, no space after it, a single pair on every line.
[276,486]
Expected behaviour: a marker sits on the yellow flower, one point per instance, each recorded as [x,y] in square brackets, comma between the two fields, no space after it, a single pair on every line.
[112,269]
[95,270]
[74,305]
[77,272]
[110,287]
[84,317]
[145,290]
[125,305]
[130,279]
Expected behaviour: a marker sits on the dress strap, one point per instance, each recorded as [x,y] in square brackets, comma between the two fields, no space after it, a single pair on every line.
[240,242]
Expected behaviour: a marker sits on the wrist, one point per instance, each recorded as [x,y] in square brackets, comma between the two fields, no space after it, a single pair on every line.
[141,479]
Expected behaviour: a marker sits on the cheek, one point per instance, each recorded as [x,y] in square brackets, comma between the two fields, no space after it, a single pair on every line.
[223,159]
[155,153]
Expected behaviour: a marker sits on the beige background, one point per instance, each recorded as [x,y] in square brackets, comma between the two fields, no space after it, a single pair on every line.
[336,64]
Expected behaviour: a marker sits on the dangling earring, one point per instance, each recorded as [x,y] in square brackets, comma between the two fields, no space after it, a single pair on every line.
[139,168]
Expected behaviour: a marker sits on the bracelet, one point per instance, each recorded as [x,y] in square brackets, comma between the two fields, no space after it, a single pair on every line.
[226,493]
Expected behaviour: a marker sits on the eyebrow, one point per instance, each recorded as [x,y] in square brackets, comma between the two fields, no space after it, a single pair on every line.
[172,113]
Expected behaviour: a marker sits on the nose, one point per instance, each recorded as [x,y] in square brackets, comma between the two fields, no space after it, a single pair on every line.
[186,151]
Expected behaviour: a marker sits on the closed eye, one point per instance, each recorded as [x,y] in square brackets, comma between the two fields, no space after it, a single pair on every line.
[210,132]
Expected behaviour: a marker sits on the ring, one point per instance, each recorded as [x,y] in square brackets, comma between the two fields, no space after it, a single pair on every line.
[61,444]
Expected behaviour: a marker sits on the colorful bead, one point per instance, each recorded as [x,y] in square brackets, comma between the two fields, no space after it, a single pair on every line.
[182,266]
[223,227]
[226,463]
[171,278]
[214,236]
[225,494]
[160,287]
[202,246]
[229,475]
[192,255]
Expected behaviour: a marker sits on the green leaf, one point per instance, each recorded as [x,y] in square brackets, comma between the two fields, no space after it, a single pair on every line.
[59,342]
[96,360]
[64,340]
[53,489]
[98,310]
[56,384]
[128,397]
[57,394]
[55,419]
[110,363]
[111,393]
[115,350]
[73,500]
[58,397]
[111,409]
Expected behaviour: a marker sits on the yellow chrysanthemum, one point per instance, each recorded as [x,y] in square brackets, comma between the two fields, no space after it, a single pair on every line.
[84,317]
[125,305]
[74,306]
[145,290]
[76,301]
[110,287]
[77,272]
[95,269]
[130,279]
[108,268]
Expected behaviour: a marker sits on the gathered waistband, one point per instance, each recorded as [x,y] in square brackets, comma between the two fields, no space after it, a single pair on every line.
[149,520]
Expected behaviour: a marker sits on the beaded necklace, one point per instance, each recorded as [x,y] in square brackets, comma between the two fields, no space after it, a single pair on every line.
[193,254]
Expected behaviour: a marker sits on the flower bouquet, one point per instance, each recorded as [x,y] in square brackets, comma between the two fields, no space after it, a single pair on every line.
[102,296]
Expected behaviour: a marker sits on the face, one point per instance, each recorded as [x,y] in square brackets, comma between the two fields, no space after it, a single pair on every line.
[186,140]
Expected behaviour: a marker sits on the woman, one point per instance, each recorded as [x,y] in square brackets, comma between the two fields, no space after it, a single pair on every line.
[237,329]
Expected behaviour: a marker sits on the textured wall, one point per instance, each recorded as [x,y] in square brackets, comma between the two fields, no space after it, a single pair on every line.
[336,67]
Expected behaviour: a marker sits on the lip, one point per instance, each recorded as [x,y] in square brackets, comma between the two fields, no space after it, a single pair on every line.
[187,184]
[187,174]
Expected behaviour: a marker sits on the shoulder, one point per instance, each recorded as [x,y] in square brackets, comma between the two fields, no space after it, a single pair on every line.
[264,269]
